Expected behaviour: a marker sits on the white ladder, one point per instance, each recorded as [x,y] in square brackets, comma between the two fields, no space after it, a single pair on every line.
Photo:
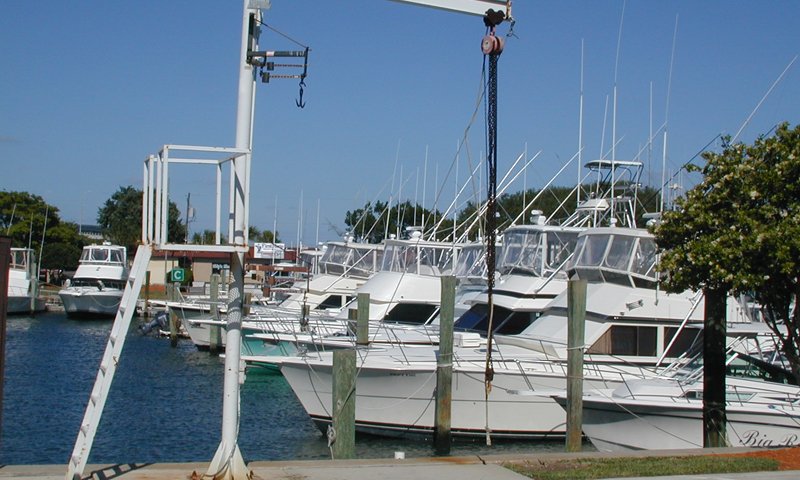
[108,365]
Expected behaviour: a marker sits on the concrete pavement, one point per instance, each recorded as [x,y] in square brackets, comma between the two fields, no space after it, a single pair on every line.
[438,468]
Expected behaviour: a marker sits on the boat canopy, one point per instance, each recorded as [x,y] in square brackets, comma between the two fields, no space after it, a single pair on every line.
[420,257]
[352,259]
[536,250]
[471,262]
[616,255]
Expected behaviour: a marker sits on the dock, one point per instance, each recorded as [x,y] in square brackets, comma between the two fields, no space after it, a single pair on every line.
[441,468]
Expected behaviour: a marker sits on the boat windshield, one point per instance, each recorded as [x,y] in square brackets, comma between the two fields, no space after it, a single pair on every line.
[471,262]
[103,254]
[350,260]
[622,257]
[419,258]
[536,252]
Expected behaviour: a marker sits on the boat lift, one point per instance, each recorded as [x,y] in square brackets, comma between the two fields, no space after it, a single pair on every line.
[227,462]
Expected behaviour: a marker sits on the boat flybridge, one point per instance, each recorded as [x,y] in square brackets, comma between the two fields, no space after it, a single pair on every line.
[627,315]
[23,283]
[407,288]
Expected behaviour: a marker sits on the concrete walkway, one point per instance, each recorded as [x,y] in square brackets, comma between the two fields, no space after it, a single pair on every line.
[439,468]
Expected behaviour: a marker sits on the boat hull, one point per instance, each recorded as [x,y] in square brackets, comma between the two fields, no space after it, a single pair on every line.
[617,427]
[18,305]
[400,402]
[86,302]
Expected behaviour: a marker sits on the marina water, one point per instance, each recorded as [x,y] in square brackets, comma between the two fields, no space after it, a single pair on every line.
[165,403]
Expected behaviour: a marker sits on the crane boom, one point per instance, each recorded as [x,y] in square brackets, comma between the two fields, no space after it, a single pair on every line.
[472,7]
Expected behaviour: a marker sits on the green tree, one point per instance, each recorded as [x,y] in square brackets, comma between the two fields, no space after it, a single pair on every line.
[261,236]
[120,219]
[26,218]
[739,231]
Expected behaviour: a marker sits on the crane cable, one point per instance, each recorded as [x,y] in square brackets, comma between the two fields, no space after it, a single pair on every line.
[492,47]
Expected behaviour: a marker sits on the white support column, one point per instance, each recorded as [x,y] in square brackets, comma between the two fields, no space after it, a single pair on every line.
[228,462]
[145,200]
[151,165]
[164,227]
[159,181]
[218,205]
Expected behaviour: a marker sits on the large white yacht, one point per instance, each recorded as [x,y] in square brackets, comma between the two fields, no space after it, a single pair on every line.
[97,286]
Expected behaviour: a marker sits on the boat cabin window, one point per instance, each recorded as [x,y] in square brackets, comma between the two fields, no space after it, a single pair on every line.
[334,301]
[116,256]
[94,255]
[411,313]
[505,321]
[627,340]
[472,319]
[687,340]
[740,365]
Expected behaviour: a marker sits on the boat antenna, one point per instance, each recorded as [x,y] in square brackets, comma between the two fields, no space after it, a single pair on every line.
[614,114]
[41,245]
[666,115]
[774,84]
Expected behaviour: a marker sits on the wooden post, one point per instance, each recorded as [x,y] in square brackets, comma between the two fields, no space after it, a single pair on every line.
[442,436]
[344,404]
[305,313]
[576,325]
[173,318]
[5,260]
[714,333]
[352,321]
[146,309]
[362,319]
[215,333]
[248,298]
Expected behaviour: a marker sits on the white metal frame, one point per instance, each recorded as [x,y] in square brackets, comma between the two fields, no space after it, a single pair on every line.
[155,202]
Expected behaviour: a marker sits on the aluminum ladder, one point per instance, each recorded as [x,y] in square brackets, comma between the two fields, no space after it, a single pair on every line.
[108,365]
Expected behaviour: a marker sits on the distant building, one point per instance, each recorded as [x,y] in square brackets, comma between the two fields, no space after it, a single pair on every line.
[91,232]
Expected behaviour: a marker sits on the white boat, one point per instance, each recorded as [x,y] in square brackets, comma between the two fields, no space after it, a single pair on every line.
[343,267]
[23,292]
[97,286]
[395,386]
[667,413]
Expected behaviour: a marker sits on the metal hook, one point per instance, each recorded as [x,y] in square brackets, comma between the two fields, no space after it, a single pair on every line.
[299,102]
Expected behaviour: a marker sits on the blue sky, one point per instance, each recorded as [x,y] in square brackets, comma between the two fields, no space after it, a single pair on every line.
[89,89]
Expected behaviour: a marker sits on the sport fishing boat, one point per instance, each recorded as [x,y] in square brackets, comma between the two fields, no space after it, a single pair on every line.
[762,408]
[97,286]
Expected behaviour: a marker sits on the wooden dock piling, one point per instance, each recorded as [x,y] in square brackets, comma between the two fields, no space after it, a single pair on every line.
[576,326]
[343,430]
[362,319]
[442,437]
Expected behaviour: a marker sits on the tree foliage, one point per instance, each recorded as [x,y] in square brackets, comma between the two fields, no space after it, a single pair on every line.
[120,219]
[27,218]
[739,231]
